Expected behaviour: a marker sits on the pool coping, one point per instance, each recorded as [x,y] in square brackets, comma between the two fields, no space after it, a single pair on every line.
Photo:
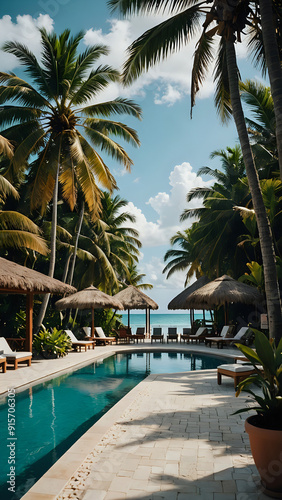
[49,486]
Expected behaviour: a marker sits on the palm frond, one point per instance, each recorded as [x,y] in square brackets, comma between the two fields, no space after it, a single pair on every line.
[160,41]
[117,106]
[222,91]
[96,82]
[97,130]
[202,59]
[22,240]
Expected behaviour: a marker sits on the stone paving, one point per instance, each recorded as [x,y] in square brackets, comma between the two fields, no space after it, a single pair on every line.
[177,440]
[173,437]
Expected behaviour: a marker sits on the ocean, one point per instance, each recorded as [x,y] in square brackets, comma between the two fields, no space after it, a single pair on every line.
[160,320]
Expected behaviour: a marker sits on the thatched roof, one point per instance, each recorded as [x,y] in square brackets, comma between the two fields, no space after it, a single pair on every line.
[16,278]
[223,290]
[89,298]
[132,298]
[180,301]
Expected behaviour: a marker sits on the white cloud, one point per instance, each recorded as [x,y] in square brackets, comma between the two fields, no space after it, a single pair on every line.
[168,207]
[173,75]
[25,31]
[170,97]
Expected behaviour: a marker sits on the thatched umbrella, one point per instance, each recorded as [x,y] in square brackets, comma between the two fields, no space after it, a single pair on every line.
[133,298]
[89,298]
[19,279]
[180,301]
[221,291]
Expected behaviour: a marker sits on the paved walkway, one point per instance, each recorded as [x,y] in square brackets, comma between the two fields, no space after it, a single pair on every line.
[173,437]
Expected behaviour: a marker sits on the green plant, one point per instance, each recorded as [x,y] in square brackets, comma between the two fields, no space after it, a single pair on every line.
[48,343]
[267,361]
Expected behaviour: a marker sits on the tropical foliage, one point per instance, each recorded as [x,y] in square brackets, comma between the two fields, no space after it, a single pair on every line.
[56,136]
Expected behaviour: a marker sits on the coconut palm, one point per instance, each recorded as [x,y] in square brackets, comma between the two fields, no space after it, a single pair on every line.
[61,121]
[261,127]
[16,230]
[135,278]
[184,257]
[270,14]
[228,21]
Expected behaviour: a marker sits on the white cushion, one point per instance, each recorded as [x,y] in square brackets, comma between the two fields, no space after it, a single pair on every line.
[100,332]
[87,330]
[4,346]
[237,368]
[18,355]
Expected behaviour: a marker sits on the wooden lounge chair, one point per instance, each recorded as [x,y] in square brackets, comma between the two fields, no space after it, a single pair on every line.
[225,333]
[13,357]
[236,371]
[200,334]
[101,337]
[185,335]
[78,344]
[157,335]
[172,334]
[3,363]
[124,336]
[140,334]
[220,341]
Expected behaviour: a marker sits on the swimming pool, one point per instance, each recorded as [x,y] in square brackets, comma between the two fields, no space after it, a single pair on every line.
[51,416]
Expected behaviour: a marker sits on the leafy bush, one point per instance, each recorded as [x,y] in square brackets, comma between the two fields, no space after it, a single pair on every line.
[55,343]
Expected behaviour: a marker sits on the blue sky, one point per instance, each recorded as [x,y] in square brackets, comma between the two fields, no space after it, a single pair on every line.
[173,147]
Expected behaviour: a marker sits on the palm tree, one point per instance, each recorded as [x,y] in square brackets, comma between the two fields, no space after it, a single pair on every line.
[270,13]
[184,257]
[233,170]
[112,243]
[49,118]
[16,230]
[135,278]
[229,20]
[261,127]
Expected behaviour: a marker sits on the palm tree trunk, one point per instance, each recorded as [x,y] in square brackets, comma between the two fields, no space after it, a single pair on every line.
[266,241]
[52,262]
[76,242]
[274,69]
[66,268]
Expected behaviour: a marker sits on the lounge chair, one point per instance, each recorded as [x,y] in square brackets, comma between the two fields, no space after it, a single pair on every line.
[80,343]
[185,335]
[225,333]
[200,334]
[13,357]
[239,337]
[124,336]
[236,371]
[157,335]
[3,363]
[172,334]
[101,337]
[140,334]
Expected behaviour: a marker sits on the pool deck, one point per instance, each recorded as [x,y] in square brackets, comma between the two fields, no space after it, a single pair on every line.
[172,437]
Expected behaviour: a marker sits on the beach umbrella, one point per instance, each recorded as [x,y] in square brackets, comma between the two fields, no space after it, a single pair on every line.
[15,278]
[180,301]
[89,298]
[133,298]
[222,291]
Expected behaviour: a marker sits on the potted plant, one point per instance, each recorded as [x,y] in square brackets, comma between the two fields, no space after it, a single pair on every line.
[265,428]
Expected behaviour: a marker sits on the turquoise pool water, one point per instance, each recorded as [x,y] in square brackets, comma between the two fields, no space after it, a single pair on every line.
[51,416]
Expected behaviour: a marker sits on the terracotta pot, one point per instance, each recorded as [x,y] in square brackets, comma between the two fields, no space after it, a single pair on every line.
[266,446]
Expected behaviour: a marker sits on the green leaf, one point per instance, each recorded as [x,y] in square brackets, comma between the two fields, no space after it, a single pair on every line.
[265,352]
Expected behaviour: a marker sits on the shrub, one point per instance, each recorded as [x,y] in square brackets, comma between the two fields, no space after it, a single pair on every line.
[55,343]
